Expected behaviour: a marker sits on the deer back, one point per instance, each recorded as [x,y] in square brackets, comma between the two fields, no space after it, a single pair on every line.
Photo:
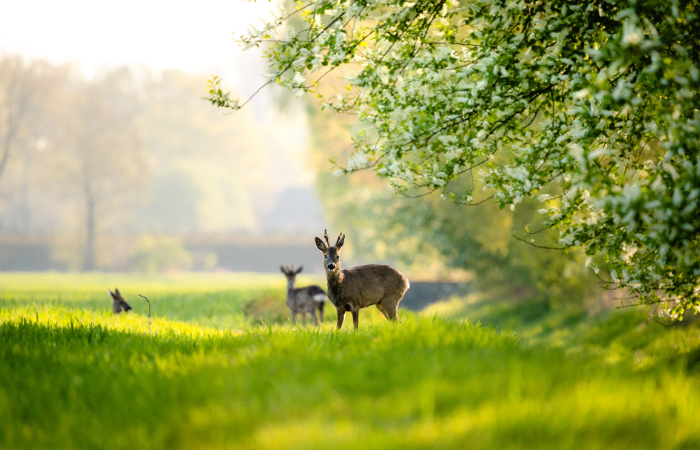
[306,299]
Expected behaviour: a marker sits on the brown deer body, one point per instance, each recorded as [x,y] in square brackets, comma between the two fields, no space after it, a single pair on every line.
[361,286]
[303,300]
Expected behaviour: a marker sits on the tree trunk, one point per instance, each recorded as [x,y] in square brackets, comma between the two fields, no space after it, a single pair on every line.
[17,101]
[6,146]
[25,212]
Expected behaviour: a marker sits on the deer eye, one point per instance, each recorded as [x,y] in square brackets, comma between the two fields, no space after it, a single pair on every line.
[325,256]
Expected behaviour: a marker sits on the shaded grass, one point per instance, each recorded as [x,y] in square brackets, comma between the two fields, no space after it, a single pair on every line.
[609,336]
[82,378]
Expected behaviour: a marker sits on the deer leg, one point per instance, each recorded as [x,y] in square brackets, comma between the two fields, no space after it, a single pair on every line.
[294,317]
[356,318]
[320,311]
[341,318]
[303,317]
[392,310]
[381,308]
[313,315]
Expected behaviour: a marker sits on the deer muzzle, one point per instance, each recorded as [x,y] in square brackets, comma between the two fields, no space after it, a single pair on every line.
[331,266]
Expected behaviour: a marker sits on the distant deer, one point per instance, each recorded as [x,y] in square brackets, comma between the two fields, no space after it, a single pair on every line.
[118,302]
[361,286]
[303,300]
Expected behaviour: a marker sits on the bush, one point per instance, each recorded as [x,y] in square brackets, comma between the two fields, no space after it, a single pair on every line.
[159,254]
[266,310]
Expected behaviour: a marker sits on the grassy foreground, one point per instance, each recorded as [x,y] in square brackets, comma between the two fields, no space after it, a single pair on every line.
[72,375]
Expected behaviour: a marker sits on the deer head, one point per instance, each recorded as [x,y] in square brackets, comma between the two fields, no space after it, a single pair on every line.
[331,253]
[118,302]
[291,274]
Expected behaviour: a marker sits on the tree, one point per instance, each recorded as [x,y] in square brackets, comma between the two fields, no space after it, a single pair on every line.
[430,236]
[100,152]
[205,169]
[22,86]
[596,100]
[28,112]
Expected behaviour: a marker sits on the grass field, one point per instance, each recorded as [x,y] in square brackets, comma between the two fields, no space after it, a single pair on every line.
[72,375]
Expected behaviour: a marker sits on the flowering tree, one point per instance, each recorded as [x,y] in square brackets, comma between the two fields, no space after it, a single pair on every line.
[589,107]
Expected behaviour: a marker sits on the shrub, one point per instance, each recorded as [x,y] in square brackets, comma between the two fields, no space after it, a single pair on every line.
[160,253]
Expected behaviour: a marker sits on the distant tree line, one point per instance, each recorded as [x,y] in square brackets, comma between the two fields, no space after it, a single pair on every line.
[123,152]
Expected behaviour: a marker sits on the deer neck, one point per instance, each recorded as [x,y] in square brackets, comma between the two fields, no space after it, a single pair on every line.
[290,285]
[335,279]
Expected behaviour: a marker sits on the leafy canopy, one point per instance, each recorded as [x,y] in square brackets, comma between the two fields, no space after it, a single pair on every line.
[593,100]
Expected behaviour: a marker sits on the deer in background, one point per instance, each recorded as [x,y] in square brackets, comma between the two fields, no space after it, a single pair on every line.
[361,286]
[303,300]
[118,302]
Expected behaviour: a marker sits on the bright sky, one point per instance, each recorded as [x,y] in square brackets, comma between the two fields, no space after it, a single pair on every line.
[194,36]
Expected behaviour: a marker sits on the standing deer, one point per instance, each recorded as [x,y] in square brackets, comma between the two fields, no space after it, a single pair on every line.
[361,286]
[118,302]
[303,300]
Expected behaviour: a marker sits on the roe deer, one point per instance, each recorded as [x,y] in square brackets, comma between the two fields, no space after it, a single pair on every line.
[361,286]
[303,300]
[118,302]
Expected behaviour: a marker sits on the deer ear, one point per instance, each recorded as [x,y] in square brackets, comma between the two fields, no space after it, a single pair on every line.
[300,269]
[116,291]
[282,270]
[112,294]
[321,246]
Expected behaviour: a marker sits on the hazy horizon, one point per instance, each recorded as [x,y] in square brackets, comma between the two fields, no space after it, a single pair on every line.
[199,170]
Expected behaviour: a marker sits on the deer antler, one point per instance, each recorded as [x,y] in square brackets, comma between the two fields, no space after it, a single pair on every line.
[325,236]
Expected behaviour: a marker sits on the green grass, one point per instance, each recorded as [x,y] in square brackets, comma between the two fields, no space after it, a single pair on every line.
[72,375]
[611,335]
[209,300]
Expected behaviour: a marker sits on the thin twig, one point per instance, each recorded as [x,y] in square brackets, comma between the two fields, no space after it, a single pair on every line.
[631,305]
[539,246]
[419,195]
[676,322]
[477,203]
[149,314]
[256,92]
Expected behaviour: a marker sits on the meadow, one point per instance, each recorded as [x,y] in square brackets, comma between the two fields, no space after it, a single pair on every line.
[216,373]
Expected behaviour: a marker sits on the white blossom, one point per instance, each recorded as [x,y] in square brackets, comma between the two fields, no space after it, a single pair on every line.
[299,78]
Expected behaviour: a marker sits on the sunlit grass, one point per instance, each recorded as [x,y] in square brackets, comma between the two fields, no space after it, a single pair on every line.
[58,317]
[211,300]
[81,377]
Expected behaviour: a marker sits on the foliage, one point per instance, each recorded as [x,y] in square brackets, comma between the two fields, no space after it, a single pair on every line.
[266,310]
[431,230]
[74,377]
[430,237]
[596,100]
